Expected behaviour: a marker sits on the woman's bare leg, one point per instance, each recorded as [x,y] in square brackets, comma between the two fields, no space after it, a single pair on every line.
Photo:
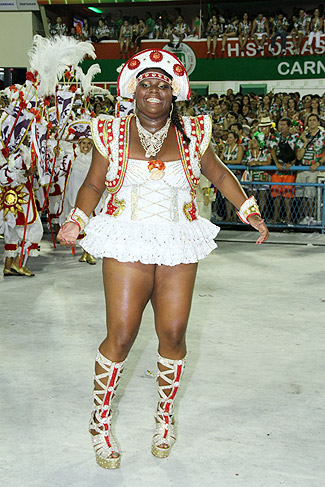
[128,287]
[171,301]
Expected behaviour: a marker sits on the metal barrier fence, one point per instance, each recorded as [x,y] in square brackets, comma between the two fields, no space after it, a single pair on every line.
[284,205]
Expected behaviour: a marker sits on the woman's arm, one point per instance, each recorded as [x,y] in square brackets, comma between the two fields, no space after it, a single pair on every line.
[221,177]
[93,186]
[88,197]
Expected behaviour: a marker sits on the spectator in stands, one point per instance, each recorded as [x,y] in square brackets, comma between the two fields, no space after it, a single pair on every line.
[256,155]
[197,27]
[158,30]
[232,153]
[180,31]
[101,32]
[306,106]
[291,110]
[125,36]
[246,100]
[86,31]
[111,26]
[279,29]
[119,21]
[300,29]
[260,31]
[97,108]
[201,108]
[60,28]
[275,109]
[225,107]
[242,139]
[168,33]
[266,126]
[244,31]
[282,147]
[212,33]
[74,33]
[316,29]
[236,107]
[315,106]
[310,152]
[217,140]
[231,117]
[150,26]
[135,30]
[230,31]
[217,116]
[246,112]
[141,34]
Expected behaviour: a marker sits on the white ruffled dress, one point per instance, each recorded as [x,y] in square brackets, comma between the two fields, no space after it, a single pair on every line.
[152,227]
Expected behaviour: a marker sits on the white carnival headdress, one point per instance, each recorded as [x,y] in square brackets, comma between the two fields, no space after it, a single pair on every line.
[151,59]
[51,57]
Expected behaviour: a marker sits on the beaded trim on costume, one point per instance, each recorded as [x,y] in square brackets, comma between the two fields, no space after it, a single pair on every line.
[119,137]
[98,128]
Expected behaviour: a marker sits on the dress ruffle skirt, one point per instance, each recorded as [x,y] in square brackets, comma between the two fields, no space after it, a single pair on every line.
[150,243]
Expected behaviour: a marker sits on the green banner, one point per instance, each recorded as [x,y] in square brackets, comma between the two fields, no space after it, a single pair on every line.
[236,69]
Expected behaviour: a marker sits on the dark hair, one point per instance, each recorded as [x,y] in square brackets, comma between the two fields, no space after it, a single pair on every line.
[313,115]
[287,120]
[177,122]
[236,136]
[234,114]
[236,124]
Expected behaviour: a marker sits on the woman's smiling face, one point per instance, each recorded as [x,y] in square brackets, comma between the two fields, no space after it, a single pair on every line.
[153,96]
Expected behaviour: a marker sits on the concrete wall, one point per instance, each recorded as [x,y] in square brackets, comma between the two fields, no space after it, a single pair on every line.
[16,34]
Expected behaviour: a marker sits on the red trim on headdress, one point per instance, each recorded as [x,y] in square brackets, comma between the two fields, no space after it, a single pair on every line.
[156,56]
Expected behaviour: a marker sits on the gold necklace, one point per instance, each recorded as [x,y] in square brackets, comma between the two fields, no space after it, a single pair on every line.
[152,143]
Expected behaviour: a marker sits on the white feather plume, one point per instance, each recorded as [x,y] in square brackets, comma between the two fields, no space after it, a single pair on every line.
[51,57]
[86,79]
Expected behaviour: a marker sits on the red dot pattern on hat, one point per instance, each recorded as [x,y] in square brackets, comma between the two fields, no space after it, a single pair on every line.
[178,70]
[134,64]
[156,56]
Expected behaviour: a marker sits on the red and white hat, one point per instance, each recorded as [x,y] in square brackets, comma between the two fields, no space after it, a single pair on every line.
[151,59]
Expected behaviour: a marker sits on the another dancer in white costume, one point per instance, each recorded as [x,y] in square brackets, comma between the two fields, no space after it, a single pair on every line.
[149,233]
[80,167]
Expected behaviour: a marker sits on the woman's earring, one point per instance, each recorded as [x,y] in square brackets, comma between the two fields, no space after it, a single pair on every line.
[171,110]
[134,106]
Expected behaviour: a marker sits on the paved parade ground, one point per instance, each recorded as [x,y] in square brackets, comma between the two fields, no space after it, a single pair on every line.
[250,411]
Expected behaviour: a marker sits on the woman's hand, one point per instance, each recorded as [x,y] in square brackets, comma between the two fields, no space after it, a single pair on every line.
[258,223]
[68,234]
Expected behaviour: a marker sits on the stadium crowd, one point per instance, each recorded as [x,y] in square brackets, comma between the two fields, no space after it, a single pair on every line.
[264,28]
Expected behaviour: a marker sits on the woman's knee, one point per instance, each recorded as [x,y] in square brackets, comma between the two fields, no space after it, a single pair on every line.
[121,338]
[173,336]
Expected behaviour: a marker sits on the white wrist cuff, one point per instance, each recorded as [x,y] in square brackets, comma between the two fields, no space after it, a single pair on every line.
[79,217]
[248,208]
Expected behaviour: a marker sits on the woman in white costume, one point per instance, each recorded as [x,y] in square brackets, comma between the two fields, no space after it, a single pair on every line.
[80,168]
[149,233]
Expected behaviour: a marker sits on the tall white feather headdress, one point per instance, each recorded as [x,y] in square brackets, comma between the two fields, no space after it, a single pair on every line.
[51,57]
[85,79]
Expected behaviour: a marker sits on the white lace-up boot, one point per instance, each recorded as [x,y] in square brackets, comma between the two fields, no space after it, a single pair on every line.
[165,435]
[105,446]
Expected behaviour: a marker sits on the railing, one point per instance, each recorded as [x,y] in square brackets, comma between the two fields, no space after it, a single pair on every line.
[284,210]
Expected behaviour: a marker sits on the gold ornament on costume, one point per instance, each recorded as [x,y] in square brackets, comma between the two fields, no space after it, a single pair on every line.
[176,87]
[152,143]
[132,86]
[11,200]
